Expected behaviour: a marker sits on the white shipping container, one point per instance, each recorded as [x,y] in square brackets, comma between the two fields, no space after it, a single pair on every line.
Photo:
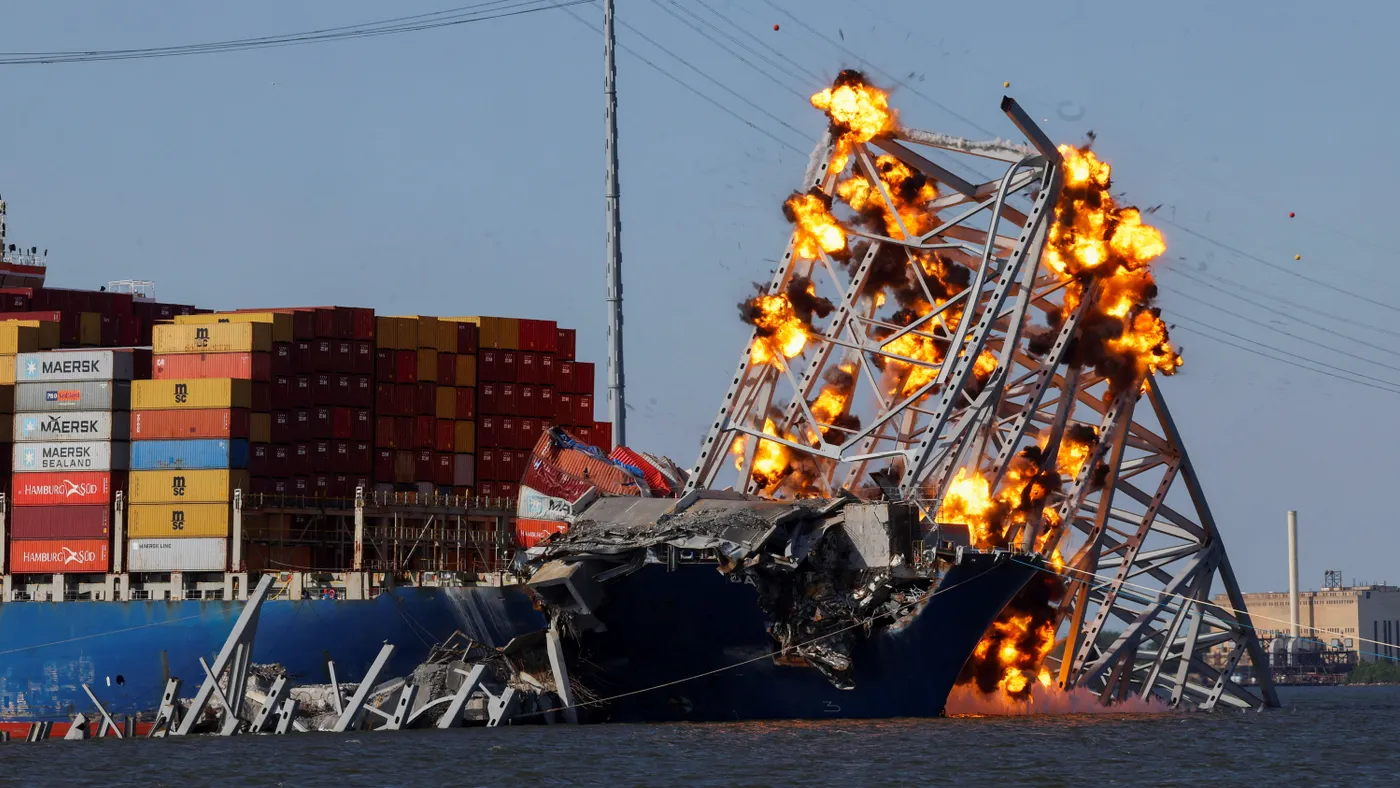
[78,425]
[177,555]
[71,456]
[74,395]
[75,365]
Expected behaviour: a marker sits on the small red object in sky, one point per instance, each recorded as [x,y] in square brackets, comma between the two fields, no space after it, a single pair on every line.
[1290,214]
[775,27]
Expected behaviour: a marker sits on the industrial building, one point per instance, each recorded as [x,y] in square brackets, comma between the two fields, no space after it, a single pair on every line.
[1364,619]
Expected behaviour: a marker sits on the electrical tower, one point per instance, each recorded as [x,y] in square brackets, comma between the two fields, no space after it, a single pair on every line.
[985,375]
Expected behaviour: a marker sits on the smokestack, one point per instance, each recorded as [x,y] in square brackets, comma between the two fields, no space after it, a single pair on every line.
[1293,573]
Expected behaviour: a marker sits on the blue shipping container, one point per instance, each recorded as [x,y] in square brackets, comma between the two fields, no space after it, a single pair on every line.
[188,455]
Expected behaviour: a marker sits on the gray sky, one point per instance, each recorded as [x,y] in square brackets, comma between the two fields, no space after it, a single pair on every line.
[460,171]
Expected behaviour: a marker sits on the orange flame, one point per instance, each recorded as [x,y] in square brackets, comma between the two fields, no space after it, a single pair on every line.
[858,110]
[782,334]
[817,230]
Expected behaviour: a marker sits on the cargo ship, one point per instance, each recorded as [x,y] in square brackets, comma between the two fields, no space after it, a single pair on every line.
[159,458]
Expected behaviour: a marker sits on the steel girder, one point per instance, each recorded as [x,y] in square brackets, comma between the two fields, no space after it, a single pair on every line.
[1144,553]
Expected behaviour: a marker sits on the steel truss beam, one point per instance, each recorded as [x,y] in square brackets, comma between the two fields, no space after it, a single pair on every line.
[1143,553]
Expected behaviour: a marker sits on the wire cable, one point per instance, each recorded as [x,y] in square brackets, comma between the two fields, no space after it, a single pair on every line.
[408,24]
[1283,359]
[742,45]
[634,53]
[815,77]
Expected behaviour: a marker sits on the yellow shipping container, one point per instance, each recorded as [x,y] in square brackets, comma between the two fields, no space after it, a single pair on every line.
[213,338]
[215,486]
[446,336]
[7,375]
[89,329]
[193,393]
[427,332]
[281,322]
[48,332]
[464,439]
[260,427]
[466,370]
[16,338]
[446,402]
[408,332]
[181,520]
[427,364]
[386,332]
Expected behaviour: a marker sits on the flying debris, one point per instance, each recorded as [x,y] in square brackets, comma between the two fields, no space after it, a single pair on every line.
[1290,214]
[1006,84]
[775,27]
[1297,257]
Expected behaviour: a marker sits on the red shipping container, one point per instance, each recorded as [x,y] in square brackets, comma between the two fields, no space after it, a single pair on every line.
[425,399]
[424,432]
[583,414]
[528,367]
[61,522]
[259,459]
[509,490]
[45,489]
[340,456]
[488,490]
[602,435]
[196,423]
[361,322]
[423,465]
[301,485]
[584,433]
[443,465]
[15,299]
[54,555]
[486,459]
[386,365]
[384,465]
[404,427]
[507,432]
[321,456]
[283,358]
[342,423]
[529,432]
[323,389]
[184,366]
[362,425]
[281,391]
[386,398]
[488,365]
[547,406]
[528,398]
[509,366]
[488,398]
[565,373]
[284,424]
[566,343]
[583,377]
[321,485]
[302,462]
[447,369]
[344,356]
[361,391]
[505,464]
[547,369]
[384,432]
[304,424]
[301,391]
[322,427]
[322,355]
[406,364]
[281,463]
[363,356]
[345,390]
[361,459]
[466,404]
[564,409]
[488,431]
[325,322]
[445,435]
[508,399]
[468,338]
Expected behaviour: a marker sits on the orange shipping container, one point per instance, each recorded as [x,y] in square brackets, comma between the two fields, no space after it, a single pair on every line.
[464,441]
[15,338]
[59,555]
[466,370]
[386,332]
[90,329]
[446,402]
[181,366]
[197,423]
[427,363]
[446,336]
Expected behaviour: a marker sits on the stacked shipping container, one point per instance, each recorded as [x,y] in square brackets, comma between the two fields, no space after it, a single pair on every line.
[425,404]
[529,380]
[71,432]
[191,441]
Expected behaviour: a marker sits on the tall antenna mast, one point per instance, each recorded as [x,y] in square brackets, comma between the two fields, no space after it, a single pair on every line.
[617,407]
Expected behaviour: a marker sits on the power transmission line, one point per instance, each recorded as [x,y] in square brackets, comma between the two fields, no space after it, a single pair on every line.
[1282,313]
[721,107]
[732,39]
[1284,359]
[815,77]
[478,12]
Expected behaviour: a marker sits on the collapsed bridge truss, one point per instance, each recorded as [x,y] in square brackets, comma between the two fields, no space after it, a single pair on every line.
[1141,552]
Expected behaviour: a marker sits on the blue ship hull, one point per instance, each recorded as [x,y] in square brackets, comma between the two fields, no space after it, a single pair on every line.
[663,628]
[124,650]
